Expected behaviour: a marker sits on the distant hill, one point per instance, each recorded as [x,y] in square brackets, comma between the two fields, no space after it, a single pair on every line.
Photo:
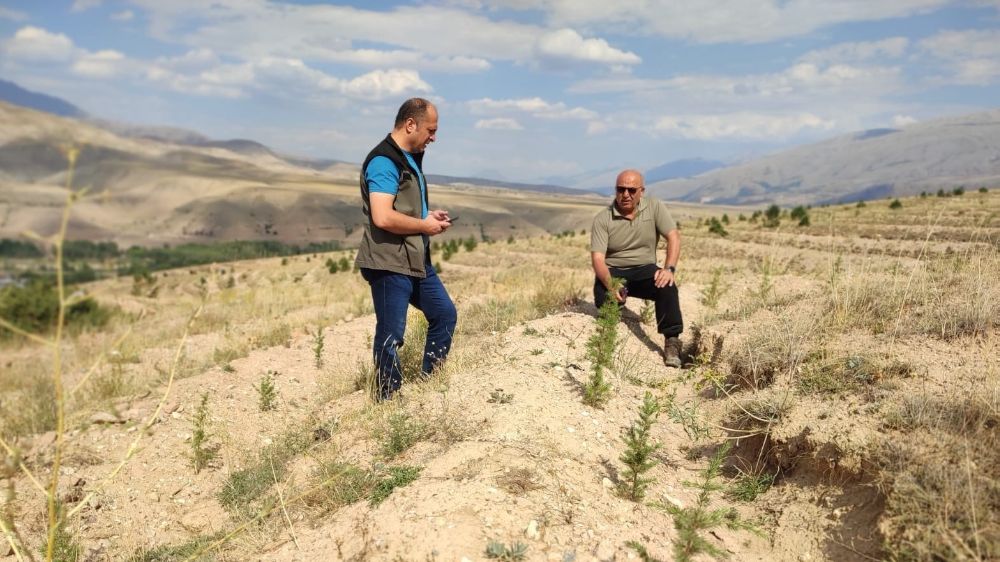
[943,153]
[12,93]
[481,182]
[684,168]
[603,181]
[150,192]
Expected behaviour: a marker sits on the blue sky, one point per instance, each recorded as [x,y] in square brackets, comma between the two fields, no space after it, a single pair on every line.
[527,90]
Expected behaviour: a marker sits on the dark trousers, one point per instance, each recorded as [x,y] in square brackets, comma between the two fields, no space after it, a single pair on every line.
[392,293]
[639,283]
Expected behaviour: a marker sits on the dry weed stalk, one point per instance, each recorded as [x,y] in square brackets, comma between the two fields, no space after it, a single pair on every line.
[56,517]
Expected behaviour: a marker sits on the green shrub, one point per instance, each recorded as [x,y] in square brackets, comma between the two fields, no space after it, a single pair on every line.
[18,249]
[398,477]
[35,308]
[772,216]
[715,227]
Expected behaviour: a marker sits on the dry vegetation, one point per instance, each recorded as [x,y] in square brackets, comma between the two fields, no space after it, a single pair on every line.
[840,402]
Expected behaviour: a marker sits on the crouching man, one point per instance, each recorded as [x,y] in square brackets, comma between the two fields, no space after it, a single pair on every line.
[623,245]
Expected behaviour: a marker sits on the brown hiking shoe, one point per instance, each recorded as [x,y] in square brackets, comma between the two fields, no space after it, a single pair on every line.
[672,353]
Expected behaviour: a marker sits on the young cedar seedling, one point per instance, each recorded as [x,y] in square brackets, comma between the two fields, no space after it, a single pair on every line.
[201,454]
[601,349]
[638,455]
[267,393]
[690,522]
[318,340]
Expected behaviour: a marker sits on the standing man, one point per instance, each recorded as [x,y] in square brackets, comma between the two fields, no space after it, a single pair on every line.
[394,256]
[623,244]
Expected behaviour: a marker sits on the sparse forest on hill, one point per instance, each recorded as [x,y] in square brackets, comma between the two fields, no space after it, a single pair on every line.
[840,401]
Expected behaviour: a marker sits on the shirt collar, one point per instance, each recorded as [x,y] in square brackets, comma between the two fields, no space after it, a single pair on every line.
[616,213]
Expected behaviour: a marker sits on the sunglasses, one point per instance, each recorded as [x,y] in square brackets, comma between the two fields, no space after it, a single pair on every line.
[630,190]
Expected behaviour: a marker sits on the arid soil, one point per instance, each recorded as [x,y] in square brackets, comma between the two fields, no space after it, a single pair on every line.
[506,449]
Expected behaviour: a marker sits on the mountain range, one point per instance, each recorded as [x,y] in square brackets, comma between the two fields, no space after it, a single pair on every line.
[147,191]
[927,156]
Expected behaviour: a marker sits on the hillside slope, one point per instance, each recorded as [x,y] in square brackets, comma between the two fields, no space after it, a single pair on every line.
[943,153]
[850,364]
[146,191]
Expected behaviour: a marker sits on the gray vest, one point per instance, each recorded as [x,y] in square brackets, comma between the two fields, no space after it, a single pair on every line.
[381,249]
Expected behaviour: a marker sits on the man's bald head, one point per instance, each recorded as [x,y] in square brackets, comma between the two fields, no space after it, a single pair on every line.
[629,178]
[628,191]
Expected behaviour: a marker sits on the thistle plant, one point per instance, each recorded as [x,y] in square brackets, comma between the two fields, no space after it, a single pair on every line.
[638,454]
[601,348]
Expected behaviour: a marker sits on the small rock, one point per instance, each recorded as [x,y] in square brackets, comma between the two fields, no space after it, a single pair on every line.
[171,408]
[105,418]
[153,497]
[532,531]
[176,415]
[804,557]
[674,501]
[607,483]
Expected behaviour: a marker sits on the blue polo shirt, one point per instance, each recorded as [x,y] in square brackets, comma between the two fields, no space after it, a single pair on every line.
[383,177]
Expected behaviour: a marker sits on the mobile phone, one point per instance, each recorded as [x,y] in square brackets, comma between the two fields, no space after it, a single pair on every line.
[452,219]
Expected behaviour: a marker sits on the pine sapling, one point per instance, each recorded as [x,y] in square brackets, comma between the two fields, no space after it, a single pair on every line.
[601,348]
[691,521]
[638,454]
[267,393]
[201,454]
[318,339]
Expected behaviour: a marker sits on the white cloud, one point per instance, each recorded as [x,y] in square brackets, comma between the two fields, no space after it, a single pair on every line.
[903,120]
[537,107]
[566,44]
[13,15]
[597,127]
[440,37]
[798,80]
[125,15]
[409,59]
[380,84]
[720,21]
[33,44]
[285,77]
[102,64]
[83,5]
[499,123]
[193,60]
[959,44]
[743,125]
[967,56]
[892,47]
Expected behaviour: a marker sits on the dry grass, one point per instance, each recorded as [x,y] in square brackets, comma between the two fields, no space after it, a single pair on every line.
[786,303]
[940,473]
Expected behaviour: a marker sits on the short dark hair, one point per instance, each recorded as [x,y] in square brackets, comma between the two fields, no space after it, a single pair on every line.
[413,108]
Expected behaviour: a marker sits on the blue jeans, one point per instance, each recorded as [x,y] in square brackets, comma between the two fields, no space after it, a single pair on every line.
[392,293]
